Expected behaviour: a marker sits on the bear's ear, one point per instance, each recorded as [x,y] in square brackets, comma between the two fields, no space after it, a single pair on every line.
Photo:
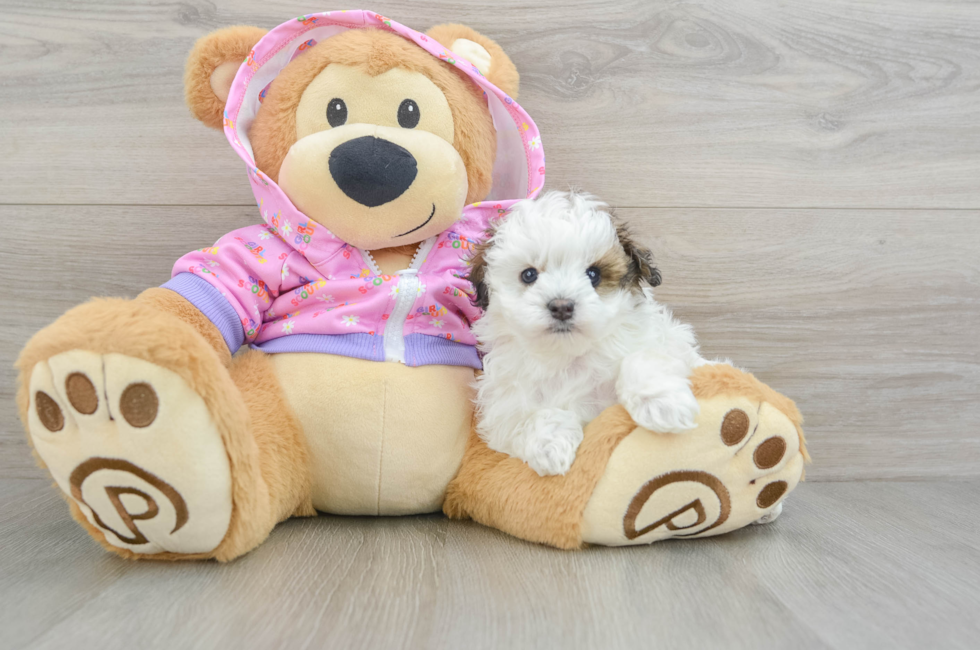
[211,67]
[482,52]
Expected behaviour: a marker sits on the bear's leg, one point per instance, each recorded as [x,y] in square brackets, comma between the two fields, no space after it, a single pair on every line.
[632,486]
[283,455]
[161,450]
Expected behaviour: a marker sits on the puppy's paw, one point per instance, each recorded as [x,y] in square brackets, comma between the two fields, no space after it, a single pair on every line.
[551,438]
[665,405]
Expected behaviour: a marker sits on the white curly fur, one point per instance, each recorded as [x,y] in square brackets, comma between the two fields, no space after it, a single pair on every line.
[540,384]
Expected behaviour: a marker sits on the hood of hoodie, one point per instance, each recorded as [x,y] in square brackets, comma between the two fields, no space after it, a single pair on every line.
[518,171]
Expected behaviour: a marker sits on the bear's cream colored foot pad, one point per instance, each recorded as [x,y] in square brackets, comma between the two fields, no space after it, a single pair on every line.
[733,469]
[135,447]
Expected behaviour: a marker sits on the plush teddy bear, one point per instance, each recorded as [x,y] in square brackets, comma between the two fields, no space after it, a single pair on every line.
[378,156]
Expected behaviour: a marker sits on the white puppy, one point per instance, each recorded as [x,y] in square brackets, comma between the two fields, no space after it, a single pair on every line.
[571,327]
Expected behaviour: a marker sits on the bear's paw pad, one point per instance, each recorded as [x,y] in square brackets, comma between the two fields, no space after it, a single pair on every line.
[732,470]
[135,448]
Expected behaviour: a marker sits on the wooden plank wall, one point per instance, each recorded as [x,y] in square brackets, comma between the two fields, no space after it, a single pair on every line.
[807,173]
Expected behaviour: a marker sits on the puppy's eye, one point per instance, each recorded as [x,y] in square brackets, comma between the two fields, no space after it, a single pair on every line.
[528,276]
[595,275]
[336,112]
[408,114]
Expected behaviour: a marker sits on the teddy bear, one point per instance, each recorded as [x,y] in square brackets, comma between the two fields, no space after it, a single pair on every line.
[322,361]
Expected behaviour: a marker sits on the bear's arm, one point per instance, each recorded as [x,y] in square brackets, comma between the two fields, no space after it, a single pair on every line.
[231,285]
[175,304]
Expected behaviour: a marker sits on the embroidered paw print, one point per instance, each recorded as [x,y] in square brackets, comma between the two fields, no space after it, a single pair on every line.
[733,469]
[106,427]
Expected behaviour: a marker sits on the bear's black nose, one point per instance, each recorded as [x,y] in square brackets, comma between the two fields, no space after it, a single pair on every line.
[372,171]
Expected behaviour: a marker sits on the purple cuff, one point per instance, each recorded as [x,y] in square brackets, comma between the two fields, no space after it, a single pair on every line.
[359,345]
[203,295]
[420,349]
[425,350]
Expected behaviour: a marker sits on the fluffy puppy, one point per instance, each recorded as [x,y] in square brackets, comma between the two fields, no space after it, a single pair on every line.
[571,327]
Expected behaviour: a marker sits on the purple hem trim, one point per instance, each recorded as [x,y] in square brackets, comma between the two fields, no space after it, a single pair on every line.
[420,349]
[425,350]
[358,345]
[203,295]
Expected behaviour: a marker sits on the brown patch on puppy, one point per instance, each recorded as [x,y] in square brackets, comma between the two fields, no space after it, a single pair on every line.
[613,267]
[626,267]
[374,51]
[228,45]
[639,265]
[478,272]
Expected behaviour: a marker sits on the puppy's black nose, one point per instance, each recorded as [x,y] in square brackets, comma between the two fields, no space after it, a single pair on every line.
[561,309]
[372,171]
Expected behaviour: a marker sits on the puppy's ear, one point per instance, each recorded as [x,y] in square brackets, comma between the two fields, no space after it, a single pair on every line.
[639,265]
[477,273]
[484,53]
[211,68]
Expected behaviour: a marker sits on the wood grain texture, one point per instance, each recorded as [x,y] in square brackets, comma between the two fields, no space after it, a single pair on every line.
[647,102]
[848,565]
[868,319]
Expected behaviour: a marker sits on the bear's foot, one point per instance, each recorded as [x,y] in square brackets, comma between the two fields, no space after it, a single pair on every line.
[733,469]
[135,449]
[629,485]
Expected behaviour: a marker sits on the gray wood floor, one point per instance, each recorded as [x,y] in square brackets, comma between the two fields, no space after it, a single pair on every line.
[849,565]
[808,174]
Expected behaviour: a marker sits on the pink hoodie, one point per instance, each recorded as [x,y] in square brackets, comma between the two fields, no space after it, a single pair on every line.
[290,285]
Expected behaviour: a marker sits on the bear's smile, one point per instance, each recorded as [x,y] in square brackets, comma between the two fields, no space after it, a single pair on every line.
[421,225]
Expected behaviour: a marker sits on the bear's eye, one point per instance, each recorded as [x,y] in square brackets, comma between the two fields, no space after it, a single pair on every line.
[408,114]
[336,112]
[595,275]
[529,275]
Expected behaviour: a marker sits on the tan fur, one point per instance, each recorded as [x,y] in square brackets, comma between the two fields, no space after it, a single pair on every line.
[722,379]
[503,492]
[274,130]
[173,303]
[503,72]
[139,330]
[394,259]
[384,438]
[283,455]
[231,44]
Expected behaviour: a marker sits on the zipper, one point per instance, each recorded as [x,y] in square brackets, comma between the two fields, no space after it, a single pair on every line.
[372,264]
[408,287]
